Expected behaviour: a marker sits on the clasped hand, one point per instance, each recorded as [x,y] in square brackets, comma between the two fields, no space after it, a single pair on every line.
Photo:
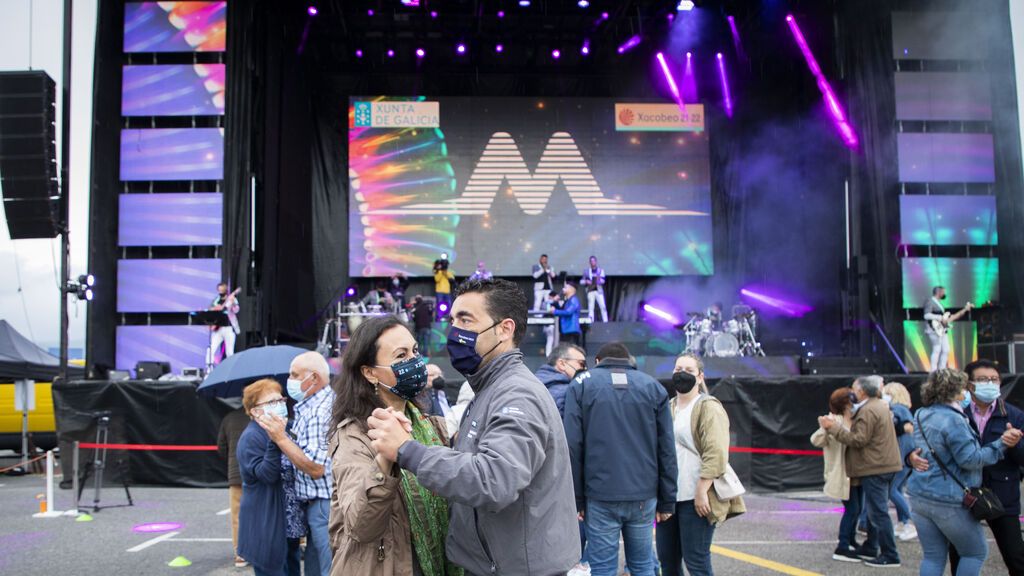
[388,430]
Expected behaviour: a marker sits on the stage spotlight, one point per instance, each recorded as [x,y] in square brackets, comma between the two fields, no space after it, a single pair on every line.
[501,13]
[628,45]
[369,12]
[585,49]
[604,15]
[411,3]
[556,53]
[87,280]
[661,314]
[671,81]
[442,307]
[583,3]
[461,48]
[433,13]
[524,3]
[359,53]
[351,291]
[685,5]
[420,53]
[391,53]
[312,11]
[499,48]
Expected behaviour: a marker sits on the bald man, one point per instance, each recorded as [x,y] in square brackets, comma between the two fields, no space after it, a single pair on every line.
[308,380]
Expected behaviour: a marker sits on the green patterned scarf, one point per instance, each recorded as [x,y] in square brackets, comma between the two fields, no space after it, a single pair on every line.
[428,513]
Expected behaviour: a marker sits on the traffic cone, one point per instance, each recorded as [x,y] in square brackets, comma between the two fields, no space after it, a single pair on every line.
[179,562]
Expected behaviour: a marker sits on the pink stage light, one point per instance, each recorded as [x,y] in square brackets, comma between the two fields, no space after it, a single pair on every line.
[832,103]
[501,13]
[556,53]
[499,48]
[585,49]
[359,53]
[726,97]
[737,43]
[420,53]
[604,15]
[433,13]
[391,53]
[628,45]
[369,12]
[461,48]
[689,87]
[312,11]
[661,314]
[671,82]
[789,308]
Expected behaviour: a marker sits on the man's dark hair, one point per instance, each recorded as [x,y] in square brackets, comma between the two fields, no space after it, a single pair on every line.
[980,363]
[613,350]
[543,255]
[224,284]
[504,299]
[935,289]
[561,352]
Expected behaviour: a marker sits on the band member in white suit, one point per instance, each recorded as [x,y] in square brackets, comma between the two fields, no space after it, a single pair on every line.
[228,304]
[543,282]
[593,278]
[934,311]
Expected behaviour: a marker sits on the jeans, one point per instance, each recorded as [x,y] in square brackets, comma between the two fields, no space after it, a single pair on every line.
[605,521]
[1006,531]
[848,524]
[685,538]
[896,496]
[318,542]
[940,524]
[940,351]
[876,500]
[293,561]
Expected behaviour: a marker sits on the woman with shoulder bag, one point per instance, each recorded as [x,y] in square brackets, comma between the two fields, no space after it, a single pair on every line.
[382,522]
[943,510]
[702,452]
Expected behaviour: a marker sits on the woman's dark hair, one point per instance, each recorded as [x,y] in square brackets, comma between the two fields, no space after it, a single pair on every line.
[354,395]
[943,386]
[840,400]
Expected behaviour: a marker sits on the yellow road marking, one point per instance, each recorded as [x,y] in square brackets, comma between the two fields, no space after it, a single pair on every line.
[762,562]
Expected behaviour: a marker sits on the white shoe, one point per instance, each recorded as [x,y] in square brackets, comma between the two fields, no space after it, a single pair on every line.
[579,570]
[908,532]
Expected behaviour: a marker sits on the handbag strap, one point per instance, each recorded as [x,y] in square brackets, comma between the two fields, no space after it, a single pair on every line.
[937,459]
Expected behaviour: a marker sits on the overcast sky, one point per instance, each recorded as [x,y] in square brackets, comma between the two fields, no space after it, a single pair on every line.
[30,38]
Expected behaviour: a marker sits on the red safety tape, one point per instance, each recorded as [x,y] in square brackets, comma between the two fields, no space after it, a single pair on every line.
[776,451]
[148,447]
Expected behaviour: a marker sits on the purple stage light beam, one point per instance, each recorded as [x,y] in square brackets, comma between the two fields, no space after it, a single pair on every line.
[661,314]
[689,80]
[736,41]
[832,103]
[420,52]
[585,49]
[671,82]
[628,45]
[789,308]
[726,97]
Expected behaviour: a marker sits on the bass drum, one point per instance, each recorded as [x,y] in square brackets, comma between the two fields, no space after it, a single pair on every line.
[723,345]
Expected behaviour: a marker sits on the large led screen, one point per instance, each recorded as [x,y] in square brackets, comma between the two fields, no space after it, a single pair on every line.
[172,154]
[503,180]
[942,34]
[974,280]
[171,219]
[917,347]
[182,346]
[948,220]
[937,157]
[172,285]
[173,90]
[943,96]
[175,26]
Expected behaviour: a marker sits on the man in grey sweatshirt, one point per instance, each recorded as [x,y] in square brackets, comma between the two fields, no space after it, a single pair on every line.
[508,480]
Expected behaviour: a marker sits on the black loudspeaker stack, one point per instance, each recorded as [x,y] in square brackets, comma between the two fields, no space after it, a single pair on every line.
[28,154]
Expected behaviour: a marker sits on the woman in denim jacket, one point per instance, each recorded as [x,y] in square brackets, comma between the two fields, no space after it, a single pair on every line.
[937,499]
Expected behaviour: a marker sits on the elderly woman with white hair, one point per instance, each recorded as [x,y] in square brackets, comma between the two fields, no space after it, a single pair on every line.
[872,461]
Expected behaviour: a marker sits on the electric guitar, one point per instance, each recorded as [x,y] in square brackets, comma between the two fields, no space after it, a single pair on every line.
[942,326]
[227,304]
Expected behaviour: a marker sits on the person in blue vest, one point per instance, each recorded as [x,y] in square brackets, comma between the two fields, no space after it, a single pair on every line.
[567,309]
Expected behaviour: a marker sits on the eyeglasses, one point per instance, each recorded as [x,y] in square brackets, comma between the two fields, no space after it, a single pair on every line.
[993,380]
[270,403]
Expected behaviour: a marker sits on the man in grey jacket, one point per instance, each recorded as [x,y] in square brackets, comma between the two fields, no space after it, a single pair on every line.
[508,480]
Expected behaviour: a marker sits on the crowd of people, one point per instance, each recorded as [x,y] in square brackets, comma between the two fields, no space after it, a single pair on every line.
[957,457]
[381,472]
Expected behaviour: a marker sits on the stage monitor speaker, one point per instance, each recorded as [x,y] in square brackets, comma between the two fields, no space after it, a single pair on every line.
[28,154]
[151,370]
[118,375]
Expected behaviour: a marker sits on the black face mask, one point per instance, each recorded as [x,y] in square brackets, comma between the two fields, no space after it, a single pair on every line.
[439,384]
[683,382]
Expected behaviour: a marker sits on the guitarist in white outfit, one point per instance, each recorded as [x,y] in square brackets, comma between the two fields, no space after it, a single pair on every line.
[937,326]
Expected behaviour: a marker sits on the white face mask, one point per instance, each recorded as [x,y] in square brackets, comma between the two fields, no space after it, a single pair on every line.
[295,388]
[887,398]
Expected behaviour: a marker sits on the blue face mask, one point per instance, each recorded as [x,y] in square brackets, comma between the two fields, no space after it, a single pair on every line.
[279,409]
[986,392]
[295,388]
[462,349]
[410,377]
[966,402]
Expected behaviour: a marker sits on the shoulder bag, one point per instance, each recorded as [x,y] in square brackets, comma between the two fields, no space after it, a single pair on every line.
[982,502]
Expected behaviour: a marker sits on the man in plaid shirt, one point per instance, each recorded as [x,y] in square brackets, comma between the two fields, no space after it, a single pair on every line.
[308,381]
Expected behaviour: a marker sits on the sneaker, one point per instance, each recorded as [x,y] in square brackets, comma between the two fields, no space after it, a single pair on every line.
[580,570]
[882,563]
[847,555]
[908,533]
[241,562]
[865,554]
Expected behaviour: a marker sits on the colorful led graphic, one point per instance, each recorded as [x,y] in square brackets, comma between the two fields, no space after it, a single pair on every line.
[917,347]
[948,220]
[173,90]
[172,154]
[175,26]
[182,346]
[974,280]
[170,219]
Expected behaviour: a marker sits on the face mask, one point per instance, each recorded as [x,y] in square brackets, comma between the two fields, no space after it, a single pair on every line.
[295,388]
[966,402]
[279,409]
[887,398]
[462,349]
[438,383]
[683,382]
[410,377]
[986,392]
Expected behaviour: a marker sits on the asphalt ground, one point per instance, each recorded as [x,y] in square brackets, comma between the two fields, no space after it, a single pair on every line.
[781,534]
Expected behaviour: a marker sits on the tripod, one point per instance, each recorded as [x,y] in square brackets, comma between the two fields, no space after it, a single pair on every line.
[99,464]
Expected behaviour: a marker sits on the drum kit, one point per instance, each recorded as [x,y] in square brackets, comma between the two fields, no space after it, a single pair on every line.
[728,339]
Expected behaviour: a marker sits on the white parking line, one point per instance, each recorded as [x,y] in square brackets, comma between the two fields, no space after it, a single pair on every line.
[153,541]
[200,540]
[223,512]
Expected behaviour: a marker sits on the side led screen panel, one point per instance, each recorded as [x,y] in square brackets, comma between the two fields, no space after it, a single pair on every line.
[941,35]
[182,346]
[948,220]
[175,26]
[171,219]
[173,285]
[172,154]
[173,90]
[974,280]
[934,157]
[965,96]
[917,347]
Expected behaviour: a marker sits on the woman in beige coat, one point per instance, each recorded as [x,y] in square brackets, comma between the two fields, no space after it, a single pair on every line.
[837,484]
[382,522]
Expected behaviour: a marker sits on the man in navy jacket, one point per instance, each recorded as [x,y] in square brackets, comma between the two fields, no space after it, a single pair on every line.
[565,361]
[622,450]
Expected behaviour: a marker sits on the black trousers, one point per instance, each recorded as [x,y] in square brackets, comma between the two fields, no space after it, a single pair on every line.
[1006,530]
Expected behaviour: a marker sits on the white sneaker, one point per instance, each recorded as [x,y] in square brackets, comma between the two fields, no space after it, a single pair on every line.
[908,532]
[579,570]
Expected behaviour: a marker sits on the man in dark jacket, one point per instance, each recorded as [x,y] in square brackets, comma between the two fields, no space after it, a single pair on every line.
[231,428]
[422,319]
[565,361]
[622,446]
[507,481]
